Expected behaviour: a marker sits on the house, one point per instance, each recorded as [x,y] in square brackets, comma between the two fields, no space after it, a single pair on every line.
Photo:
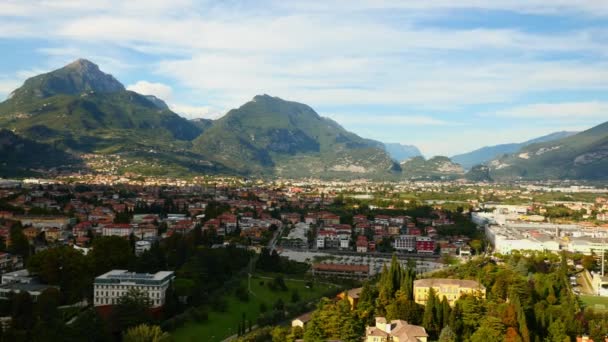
[451,289]
[425,244]
[117,229]
[30,233]
[301,320]
[352,296]
[362,244]
[395,331]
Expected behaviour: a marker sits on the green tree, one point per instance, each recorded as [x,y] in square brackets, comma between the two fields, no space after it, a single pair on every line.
[145,333]
[132,309]
[110,252]
[490,330]
[447,335]
[557,332]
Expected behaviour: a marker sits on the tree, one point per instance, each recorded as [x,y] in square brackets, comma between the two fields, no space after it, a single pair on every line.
[66,267]
[86,323]
[145,333]
[490,330]
[110,252]
[19,243]
[132,309]
[447,335]
[557,332]
[429,319]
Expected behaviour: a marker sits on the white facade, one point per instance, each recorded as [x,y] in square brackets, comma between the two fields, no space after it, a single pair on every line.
[109,287]
[406,243]
[344,242]
[142,246]
[116,231]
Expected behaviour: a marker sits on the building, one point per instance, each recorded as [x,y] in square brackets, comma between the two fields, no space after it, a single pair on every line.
[352,296]
[117,229]
[451,289]
[301,320]
[395,331]
[362,244]
[109,287]
[22,281]
[425,244]
[142,246]
[341,271]
[405,243]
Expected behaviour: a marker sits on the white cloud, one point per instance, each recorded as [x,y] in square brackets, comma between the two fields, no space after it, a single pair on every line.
[195,112]
[560,111]
[160,90]
[390,120]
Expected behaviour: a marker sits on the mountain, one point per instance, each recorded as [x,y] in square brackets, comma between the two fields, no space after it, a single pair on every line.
[21,156]
[269,135]
[580,156]
[479,173]
[488,153]
[73,79]
[160,104]
[400,152]
[438,167]
[81,108]
[202,123]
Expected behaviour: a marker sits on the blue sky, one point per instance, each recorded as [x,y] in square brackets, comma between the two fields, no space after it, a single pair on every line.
[447,76]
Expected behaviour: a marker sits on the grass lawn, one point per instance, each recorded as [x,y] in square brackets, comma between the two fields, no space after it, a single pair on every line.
[595,302]
[223,324]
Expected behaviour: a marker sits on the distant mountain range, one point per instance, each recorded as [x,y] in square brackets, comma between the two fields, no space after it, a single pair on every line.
[400,152]
[66,118]
[580,156]
[488,153]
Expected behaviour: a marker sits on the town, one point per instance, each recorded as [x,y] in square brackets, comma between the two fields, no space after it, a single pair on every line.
[101,249]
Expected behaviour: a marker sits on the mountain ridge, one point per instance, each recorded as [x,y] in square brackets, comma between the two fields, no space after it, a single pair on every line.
[487,153]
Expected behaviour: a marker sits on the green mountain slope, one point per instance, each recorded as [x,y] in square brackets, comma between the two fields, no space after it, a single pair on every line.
[81,108]
[488,153]
[269,135]
[21,157]
[581,156]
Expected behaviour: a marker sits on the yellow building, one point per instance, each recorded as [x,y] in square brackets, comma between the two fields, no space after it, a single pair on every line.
[352,296]
[395,331]
[452,289]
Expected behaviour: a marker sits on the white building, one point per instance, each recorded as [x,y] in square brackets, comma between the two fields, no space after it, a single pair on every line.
[406,243]
[123,230]
[344,242]
[142,246]
[109,287]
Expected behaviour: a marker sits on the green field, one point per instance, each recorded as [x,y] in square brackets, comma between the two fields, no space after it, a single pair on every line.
[595,302]
[223,324]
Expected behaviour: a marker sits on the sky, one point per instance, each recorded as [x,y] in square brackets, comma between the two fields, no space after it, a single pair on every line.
[446,76]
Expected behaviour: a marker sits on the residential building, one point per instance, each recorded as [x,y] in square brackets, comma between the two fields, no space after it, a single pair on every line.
[109,287]
[395,331]
[362,244]
[405,243]
[451,289]
[117,229]
[141,246]
[425,244]
[352,296]
[301,320]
